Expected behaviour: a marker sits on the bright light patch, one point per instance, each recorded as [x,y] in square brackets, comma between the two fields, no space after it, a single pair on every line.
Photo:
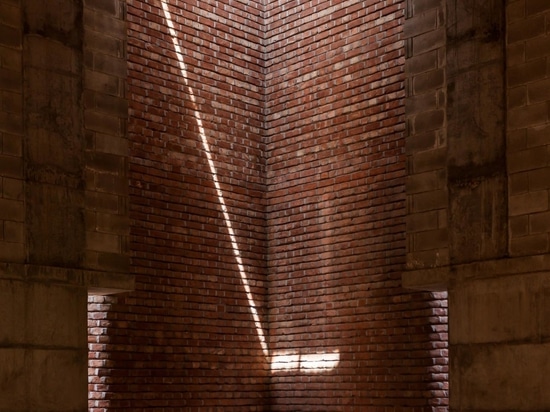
[307,363]
[285,362]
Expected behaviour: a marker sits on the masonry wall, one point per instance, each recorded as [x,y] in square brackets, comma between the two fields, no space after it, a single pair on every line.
[426,144]
[335,134]
[267,210]
[190,335]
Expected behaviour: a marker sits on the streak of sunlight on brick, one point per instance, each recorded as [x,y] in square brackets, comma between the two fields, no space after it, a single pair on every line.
[305,363]
[214,173]
[308,363]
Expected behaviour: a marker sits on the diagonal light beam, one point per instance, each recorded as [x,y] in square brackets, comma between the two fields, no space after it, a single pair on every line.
[206,147]
[281,361]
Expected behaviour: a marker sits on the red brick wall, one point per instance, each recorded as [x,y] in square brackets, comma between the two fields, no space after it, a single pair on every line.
[336,207]
[304,114]
[186,337]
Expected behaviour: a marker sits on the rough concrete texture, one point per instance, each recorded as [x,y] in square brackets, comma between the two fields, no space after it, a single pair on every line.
[426,144]
[12,208]
[498,339]
[496,310]
[497,185]
[46,158]
[105,110]
[54,139]
[476,166]
[42,346]
[511,377]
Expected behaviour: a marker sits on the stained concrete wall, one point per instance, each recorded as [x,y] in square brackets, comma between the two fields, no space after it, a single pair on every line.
[489,196]
[47,151]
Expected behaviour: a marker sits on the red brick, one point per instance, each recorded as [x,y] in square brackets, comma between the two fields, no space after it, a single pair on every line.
[307,137]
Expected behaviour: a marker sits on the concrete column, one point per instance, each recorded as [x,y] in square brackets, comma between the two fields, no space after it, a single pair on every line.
[43,349]
[497,184]
[45,157]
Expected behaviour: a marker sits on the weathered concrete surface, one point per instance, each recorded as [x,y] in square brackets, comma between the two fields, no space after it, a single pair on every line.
[54,138]
[46,154]
[476,157]
[502,309]
[497,183]
[499,339]
[42,346]
[510,377]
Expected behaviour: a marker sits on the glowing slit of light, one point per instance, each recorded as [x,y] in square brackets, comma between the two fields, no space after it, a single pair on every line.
[279,362]
[206,147]
[305,363]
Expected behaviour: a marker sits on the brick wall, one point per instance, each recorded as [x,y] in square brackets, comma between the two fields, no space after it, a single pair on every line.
[335,121]
[528,48]
[187,337]
[267,183]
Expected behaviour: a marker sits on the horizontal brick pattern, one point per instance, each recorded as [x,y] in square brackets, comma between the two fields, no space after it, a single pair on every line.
[335,124]
[186,339]
[528,127]
[427,237]
[12,208]
[98,357]
[105,122]
[304,112]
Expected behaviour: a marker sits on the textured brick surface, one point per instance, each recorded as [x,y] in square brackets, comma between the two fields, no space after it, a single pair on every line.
[186,337]
[302,107]
[336,209]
